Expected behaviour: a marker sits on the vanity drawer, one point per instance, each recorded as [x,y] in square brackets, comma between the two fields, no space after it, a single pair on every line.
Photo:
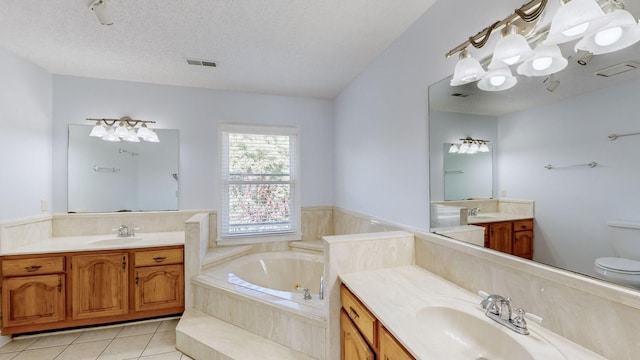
[159,257]
[364,320]
[522,225]
[32,266]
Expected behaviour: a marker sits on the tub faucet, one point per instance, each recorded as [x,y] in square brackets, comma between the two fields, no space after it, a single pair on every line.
[473,212]
[321,291]
[307,294]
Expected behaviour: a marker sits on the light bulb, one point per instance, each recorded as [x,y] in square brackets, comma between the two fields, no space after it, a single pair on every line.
[453,149]
[473,148]
[608,36]
[497,80]
[464,148]
[542,63]
[98,130]
[511,60]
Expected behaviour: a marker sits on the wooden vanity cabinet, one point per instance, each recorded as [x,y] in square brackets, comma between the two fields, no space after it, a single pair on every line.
[362,335]
[44,292]
[33,291]
[511,237]
[159,279]
[100,285]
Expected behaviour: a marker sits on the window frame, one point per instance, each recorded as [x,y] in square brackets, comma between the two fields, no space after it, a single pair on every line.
[223,182]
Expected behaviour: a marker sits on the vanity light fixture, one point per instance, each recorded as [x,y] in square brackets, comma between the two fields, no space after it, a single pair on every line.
[467,70]
[511,49]
[620,32]
[575,19]
[123,129]
[99,8]
[498,80]
[546,59]
[600,31]
[453,149]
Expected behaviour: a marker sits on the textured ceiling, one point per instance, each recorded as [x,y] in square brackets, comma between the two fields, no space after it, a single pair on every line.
[288,47]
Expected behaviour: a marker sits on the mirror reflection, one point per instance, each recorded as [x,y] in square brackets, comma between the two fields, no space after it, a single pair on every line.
[466,175]
[106,176]
[567,126]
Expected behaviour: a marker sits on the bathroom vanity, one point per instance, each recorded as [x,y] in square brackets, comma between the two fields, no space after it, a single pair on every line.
[65,283]
[362,336]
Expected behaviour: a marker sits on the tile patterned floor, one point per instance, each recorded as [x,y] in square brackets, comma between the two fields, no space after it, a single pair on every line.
[146,340]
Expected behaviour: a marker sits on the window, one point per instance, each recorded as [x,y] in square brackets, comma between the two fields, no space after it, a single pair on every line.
[259,183]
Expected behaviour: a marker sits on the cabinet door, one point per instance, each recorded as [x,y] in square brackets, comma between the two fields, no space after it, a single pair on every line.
[390,349]
[159,287]
[32,300]
[523,244]
[500,237]
[352,344]
[99,285]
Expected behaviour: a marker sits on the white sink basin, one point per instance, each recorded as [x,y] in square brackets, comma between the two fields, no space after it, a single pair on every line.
[115,241]
[457,334]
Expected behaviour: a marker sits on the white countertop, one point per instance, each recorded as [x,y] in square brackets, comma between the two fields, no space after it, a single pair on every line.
[482,218]
[396,295]
[99,242]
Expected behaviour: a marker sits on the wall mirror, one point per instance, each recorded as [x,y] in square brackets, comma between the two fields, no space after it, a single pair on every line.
[108,176]
[562,120]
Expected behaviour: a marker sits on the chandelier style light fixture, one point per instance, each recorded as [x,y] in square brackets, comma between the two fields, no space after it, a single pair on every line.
[123,129]
[599,28]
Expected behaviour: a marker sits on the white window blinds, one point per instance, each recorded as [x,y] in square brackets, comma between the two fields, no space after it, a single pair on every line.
[258,181]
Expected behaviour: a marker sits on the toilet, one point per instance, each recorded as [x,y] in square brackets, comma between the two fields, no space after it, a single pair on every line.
[625,268]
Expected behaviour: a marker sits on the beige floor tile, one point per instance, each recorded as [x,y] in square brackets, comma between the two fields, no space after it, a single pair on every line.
[168,325]
[9,356]
[139,329]
[48,353]
[84,351]
[99,334]
[175,355]
[161,342]
[126,347]
[17,345]
[54,340]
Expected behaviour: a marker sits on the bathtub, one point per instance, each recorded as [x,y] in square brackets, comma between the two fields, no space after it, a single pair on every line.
[259,292]
[282,274]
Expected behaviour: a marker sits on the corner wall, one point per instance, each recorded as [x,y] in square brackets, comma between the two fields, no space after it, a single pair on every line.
[25,138]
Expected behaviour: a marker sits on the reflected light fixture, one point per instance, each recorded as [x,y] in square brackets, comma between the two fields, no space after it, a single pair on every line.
[511,49]
[123,129]
[470,146]
[620,32]
[467,69]
[575,19]
[99,8]
[546,59]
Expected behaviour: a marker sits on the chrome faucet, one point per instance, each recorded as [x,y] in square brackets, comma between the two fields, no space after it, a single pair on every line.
[473,212]
[126,231]
[321,291]
[307,295]
[498,309]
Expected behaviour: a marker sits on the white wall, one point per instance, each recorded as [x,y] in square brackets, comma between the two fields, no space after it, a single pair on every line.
[25,137]
[196,113]
[572,205]
[381,166]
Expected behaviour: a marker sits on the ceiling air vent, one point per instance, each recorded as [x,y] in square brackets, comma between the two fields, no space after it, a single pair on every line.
[198,62]
[618,69]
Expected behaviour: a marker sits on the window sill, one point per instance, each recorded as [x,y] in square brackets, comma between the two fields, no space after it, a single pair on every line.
[257,239]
